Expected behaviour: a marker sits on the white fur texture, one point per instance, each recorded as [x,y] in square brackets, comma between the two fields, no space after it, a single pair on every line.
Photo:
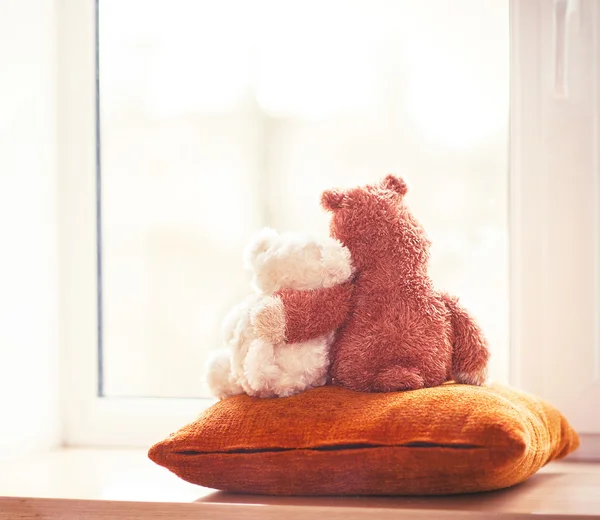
[219,377]
[287,369]
[277,369]
[296,261]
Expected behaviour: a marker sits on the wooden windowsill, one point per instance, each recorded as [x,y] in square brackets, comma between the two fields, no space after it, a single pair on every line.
[124,484]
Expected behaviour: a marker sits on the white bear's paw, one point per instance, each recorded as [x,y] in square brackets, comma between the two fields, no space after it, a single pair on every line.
[218,375]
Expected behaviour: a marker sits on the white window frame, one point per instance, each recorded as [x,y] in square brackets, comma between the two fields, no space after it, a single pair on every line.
[555,346]
[138,422]
[88,419]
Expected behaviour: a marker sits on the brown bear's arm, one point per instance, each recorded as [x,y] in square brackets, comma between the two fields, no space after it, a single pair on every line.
[309,314]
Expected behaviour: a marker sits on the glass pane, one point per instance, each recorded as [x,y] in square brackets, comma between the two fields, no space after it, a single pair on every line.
[220,117]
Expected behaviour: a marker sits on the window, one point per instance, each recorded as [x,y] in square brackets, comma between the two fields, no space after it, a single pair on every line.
[208,134]
[214,119]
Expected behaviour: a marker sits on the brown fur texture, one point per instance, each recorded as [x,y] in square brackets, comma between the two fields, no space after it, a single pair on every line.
[330,306]
[394,330]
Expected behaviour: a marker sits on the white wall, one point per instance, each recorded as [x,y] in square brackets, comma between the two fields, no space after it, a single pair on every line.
[29,414]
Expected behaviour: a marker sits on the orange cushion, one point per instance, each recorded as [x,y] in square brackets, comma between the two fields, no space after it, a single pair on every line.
[332,441]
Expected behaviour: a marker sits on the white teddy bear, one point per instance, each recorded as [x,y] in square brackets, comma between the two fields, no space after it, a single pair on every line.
[253,366]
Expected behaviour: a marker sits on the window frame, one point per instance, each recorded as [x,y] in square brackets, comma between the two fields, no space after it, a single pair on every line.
[87,418]
[90,420]
[537,198]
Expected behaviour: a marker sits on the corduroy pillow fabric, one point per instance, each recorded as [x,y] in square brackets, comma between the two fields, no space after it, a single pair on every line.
[331,441]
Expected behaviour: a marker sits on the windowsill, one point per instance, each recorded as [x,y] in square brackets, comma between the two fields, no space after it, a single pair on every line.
[125,484]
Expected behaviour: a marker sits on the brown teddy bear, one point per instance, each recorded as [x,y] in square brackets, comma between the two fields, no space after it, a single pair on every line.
[395,331]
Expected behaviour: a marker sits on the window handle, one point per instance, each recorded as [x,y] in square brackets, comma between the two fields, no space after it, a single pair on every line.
[563,9]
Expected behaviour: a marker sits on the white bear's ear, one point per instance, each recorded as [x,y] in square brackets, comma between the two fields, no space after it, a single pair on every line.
[260,243]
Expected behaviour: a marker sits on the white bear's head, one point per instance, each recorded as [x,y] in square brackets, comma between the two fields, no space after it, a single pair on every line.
[296,261]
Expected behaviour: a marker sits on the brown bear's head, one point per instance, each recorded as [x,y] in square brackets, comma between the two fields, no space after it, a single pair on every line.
[375,224]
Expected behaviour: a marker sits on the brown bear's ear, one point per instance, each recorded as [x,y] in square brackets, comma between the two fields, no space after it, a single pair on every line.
[333,199]
[391,182]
